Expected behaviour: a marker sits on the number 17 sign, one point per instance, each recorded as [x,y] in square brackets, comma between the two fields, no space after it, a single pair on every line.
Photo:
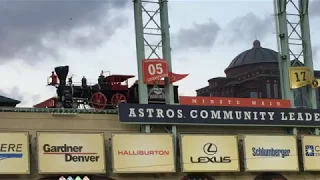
[154,69]
[299,76]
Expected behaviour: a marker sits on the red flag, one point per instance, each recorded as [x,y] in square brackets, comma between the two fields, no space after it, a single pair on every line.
[176,77]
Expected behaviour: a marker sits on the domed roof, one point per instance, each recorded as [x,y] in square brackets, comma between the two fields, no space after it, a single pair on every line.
[255,55]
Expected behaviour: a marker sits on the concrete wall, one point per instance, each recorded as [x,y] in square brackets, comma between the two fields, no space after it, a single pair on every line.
[108,124]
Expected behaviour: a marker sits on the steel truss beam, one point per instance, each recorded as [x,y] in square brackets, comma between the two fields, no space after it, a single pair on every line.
[153,41]
[294,43]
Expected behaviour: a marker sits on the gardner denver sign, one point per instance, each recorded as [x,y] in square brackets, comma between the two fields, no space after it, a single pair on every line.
[210,115]
[71,152]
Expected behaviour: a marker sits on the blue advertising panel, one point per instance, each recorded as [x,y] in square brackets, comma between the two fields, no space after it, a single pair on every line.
[211,115]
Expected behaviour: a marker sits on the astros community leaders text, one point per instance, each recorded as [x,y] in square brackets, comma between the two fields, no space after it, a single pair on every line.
[222,114]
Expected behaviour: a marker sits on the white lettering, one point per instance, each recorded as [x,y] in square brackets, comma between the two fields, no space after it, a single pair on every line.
[316,116]
[227,114]
[308,117]
[247,115]
[204,114]
[224,114]
[141,112]
[255,117]
[150,112]
[170,113]
[238,115]
[271,114]
[160,113]
[283,116]
[193,114]
[291,116]
[132,113]
[263,115]
[180,115]
[300,118]
[215,115]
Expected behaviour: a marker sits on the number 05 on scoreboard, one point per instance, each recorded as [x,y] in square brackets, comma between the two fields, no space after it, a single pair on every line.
[154,69]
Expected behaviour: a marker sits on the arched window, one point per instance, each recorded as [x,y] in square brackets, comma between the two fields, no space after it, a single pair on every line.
[300,97]
[270,176]
[197,177]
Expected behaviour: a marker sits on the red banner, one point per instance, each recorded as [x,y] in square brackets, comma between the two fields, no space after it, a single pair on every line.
[176,77]
[237,102]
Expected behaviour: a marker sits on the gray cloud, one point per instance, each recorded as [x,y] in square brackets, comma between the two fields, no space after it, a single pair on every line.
[248,27]
[199,36]
[14,93]
[241,29]
[315,52]
[32,30]
[25,98]
[314,8]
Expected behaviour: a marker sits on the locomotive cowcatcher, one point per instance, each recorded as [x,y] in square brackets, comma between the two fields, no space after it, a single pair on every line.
[106,94]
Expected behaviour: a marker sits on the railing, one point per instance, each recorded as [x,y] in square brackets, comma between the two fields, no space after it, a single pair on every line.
[59,110]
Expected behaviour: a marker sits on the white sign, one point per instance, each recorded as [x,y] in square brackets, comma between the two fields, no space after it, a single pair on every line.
[270,153]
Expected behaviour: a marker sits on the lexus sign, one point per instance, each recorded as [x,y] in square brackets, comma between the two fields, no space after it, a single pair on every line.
[209,153]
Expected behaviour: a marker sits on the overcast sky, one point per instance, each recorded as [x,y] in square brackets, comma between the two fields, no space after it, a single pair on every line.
[95,35]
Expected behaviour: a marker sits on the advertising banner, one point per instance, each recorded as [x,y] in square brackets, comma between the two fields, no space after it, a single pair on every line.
[209,153]
[217,115]
[311,152]
[60,152]
[143,153]
[270,153]
[237,102]
[14,153]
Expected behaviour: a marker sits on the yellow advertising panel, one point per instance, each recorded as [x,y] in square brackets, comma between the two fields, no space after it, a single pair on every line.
[299,77]
[209,153]
[60,152]
[142,153]
[270,153]
[311,152]
[14,153]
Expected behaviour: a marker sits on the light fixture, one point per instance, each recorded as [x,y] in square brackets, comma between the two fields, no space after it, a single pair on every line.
[69,178]
[86,178]
[62,178]
[78,178]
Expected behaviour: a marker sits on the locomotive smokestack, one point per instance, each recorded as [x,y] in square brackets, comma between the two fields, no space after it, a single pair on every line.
[62,72]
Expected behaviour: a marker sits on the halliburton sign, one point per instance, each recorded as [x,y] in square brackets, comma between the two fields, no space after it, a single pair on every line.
[143,153]
[238,102]
[71,152]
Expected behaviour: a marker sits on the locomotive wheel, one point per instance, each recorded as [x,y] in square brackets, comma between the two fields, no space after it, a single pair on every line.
[59,104]
[98,100]
[117,99]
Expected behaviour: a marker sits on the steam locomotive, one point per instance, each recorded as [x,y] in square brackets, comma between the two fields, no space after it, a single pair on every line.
[106,94]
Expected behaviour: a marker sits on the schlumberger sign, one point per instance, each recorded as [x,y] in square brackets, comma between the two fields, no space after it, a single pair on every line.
[210,115]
